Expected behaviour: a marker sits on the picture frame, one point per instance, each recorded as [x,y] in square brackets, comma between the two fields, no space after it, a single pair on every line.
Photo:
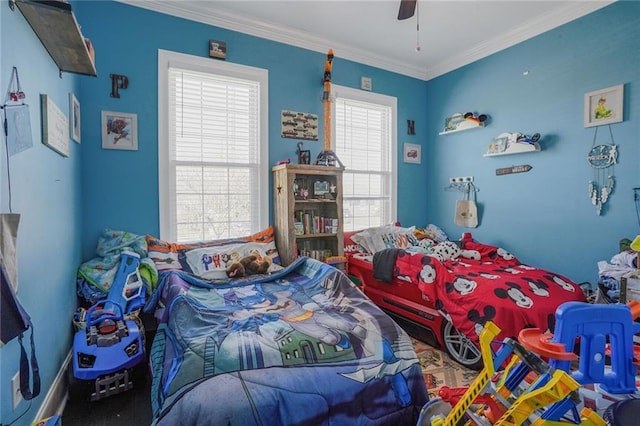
[412,153]
[604,106]
[74,118]
[55,126]
[217,49]
[119,130]
[304,156]
[299,125]
[320,188]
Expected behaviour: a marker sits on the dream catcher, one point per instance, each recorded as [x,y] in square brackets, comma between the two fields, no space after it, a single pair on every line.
[602,158]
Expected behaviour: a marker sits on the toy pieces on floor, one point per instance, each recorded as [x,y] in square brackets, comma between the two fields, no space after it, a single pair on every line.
[528,390]
[249,265]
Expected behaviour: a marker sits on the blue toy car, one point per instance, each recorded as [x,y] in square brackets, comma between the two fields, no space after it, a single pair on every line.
[111,341]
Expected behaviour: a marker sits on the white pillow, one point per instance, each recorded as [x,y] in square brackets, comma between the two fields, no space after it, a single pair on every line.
[388,236]
[211,262]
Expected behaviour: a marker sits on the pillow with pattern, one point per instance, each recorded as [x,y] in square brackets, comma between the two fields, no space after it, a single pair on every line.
[375,239]
[209,259]
[351,246]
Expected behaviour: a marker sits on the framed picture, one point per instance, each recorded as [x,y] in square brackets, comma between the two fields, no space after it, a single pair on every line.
[217,49]
[74,118]
[119,130]
[304,156]
[55,126]
[604,106]
[412,153]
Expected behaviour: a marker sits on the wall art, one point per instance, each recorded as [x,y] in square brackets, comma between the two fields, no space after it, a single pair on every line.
[217,49]
[55,126]
[74,117]
[299,125]
[604,106]
[412,153]
[119,130]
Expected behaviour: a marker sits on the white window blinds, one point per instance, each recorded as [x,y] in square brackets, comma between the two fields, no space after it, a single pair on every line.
[215,155]
[365,144]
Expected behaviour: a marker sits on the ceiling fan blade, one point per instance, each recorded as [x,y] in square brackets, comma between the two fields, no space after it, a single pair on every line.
[407,9]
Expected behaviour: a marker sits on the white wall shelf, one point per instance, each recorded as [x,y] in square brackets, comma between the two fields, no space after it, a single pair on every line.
[466,125]
[517,148]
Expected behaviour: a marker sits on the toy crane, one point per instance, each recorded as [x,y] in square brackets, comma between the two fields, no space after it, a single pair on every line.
[327,157]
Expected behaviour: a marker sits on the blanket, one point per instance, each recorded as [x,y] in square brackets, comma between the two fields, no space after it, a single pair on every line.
[96,275]
[477,282]
[300,346]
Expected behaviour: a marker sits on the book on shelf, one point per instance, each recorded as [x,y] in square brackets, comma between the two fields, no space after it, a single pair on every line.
[313,223]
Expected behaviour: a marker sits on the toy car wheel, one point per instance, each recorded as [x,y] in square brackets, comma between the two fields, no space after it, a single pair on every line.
[623,412]
[460,348]
[78,390]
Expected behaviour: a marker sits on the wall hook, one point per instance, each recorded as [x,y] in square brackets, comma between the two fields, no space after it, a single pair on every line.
[118,82]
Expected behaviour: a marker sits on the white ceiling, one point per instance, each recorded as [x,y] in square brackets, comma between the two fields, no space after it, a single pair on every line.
[451,34]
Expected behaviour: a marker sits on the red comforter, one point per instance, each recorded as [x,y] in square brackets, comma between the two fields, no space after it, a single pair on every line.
[482,282]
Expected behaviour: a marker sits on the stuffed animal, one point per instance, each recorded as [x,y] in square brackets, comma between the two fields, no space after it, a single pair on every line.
[250,264]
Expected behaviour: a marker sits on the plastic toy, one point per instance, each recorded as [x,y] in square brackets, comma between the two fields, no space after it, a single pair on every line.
[327,156]
[592,324]
[477,118]
[109,343]
[528,139]
[527,390]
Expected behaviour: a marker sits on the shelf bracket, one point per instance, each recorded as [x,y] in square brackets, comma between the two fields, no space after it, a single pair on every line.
[12,5]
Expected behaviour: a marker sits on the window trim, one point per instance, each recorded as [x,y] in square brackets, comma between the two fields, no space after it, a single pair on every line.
[380,99]
[166,174]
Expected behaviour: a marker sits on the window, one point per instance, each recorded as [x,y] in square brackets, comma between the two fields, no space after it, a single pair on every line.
[212,148]
[365,137]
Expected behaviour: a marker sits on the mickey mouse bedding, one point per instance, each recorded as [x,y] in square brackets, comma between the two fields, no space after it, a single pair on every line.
[471,283]
[300,346]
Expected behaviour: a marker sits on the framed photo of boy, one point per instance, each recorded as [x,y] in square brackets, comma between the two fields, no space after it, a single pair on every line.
[74,118]
[119,130]
[604,106]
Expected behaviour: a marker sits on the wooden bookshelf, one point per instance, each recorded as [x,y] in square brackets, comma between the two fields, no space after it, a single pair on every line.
[308,211]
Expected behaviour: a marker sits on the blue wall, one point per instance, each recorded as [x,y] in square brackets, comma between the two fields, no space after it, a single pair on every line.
[46,191]
[544,216]
[121,187]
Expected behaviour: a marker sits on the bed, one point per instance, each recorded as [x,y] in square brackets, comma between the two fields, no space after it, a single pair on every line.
[300,345]
[443,291]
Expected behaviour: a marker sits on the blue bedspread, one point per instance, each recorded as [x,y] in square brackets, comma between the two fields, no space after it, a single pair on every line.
[303,346]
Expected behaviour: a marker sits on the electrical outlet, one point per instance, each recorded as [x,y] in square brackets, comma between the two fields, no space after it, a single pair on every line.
[16,395]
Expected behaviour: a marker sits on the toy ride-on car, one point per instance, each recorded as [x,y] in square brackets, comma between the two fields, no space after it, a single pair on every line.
[109,341]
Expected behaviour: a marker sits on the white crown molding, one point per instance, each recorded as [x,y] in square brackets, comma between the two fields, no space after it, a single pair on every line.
[198,12]
[530,29]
